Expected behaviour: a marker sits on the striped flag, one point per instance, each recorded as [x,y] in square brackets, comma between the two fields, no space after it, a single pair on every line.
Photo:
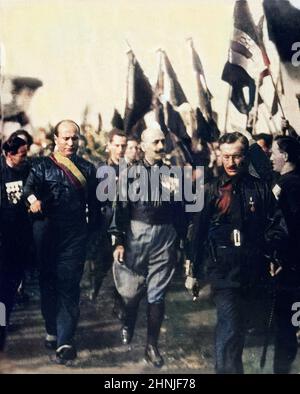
[247,58]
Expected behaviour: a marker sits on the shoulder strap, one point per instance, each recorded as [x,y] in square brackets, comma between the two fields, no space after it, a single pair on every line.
[71,171]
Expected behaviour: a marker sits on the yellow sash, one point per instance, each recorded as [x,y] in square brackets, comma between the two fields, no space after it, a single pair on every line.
[71,167]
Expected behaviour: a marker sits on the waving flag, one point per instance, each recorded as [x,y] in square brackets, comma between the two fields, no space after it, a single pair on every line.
[247,60]
[139,94]
[167,86]
[204,94]
[117,120]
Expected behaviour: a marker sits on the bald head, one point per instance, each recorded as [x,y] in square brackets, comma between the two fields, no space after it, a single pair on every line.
[66,136]
[153,144]
[66,123]
[151,134]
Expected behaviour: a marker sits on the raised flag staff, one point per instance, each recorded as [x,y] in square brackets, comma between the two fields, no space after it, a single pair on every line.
[269,119]
[278,93]
[256,104]
[227,109]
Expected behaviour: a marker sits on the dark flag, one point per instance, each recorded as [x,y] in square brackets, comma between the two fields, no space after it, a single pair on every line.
[246,59]
[207,130]
[85,116]
[178,141]
[204,94]
[100,123]
[298,98]
[139,94]
[117,120]
[175,123]
[138,128]
[167,86]
[283,21]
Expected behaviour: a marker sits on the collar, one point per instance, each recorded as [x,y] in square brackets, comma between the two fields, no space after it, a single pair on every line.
[148,165]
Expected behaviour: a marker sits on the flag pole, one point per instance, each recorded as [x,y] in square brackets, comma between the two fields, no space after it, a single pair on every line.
[227,108]
[268,123]
[129,46]
[275,88]
[255,117]
[263,49]
[270,115]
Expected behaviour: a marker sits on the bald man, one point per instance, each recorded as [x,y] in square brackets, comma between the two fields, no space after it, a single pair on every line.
[145,253]
[58,189]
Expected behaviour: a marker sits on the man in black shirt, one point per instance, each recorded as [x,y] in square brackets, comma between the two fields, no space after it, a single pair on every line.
[15,224]
[61,187]
[145,253]
[238,226]
[286,161]
[101,253]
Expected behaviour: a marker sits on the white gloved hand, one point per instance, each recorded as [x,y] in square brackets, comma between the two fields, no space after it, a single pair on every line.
[190,282]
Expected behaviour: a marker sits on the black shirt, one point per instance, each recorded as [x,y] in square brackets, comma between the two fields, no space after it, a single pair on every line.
[288,193]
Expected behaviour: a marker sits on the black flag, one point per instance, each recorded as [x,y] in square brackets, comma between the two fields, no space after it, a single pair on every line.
[139,94]
[117,120]
[168,87]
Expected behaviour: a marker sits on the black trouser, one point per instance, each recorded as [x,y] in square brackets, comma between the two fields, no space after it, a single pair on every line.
[14,258]
[62,265]
[9,283]
[230,331]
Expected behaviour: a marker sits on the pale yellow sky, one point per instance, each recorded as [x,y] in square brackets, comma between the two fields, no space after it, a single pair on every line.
[78,49]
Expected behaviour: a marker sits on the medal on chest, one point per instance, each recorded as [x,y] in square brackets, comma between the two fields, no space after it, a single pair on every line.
[14,191]
[252,204]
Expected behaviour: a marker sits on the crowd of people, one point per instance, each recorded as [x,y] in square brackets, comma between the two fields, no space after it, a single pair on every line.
[244,241]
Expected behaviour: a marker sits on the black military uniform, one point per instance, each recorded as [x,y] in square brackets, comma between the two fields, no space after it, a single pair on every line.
[16,240]
[237,227]
[64,207]
[287,190]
